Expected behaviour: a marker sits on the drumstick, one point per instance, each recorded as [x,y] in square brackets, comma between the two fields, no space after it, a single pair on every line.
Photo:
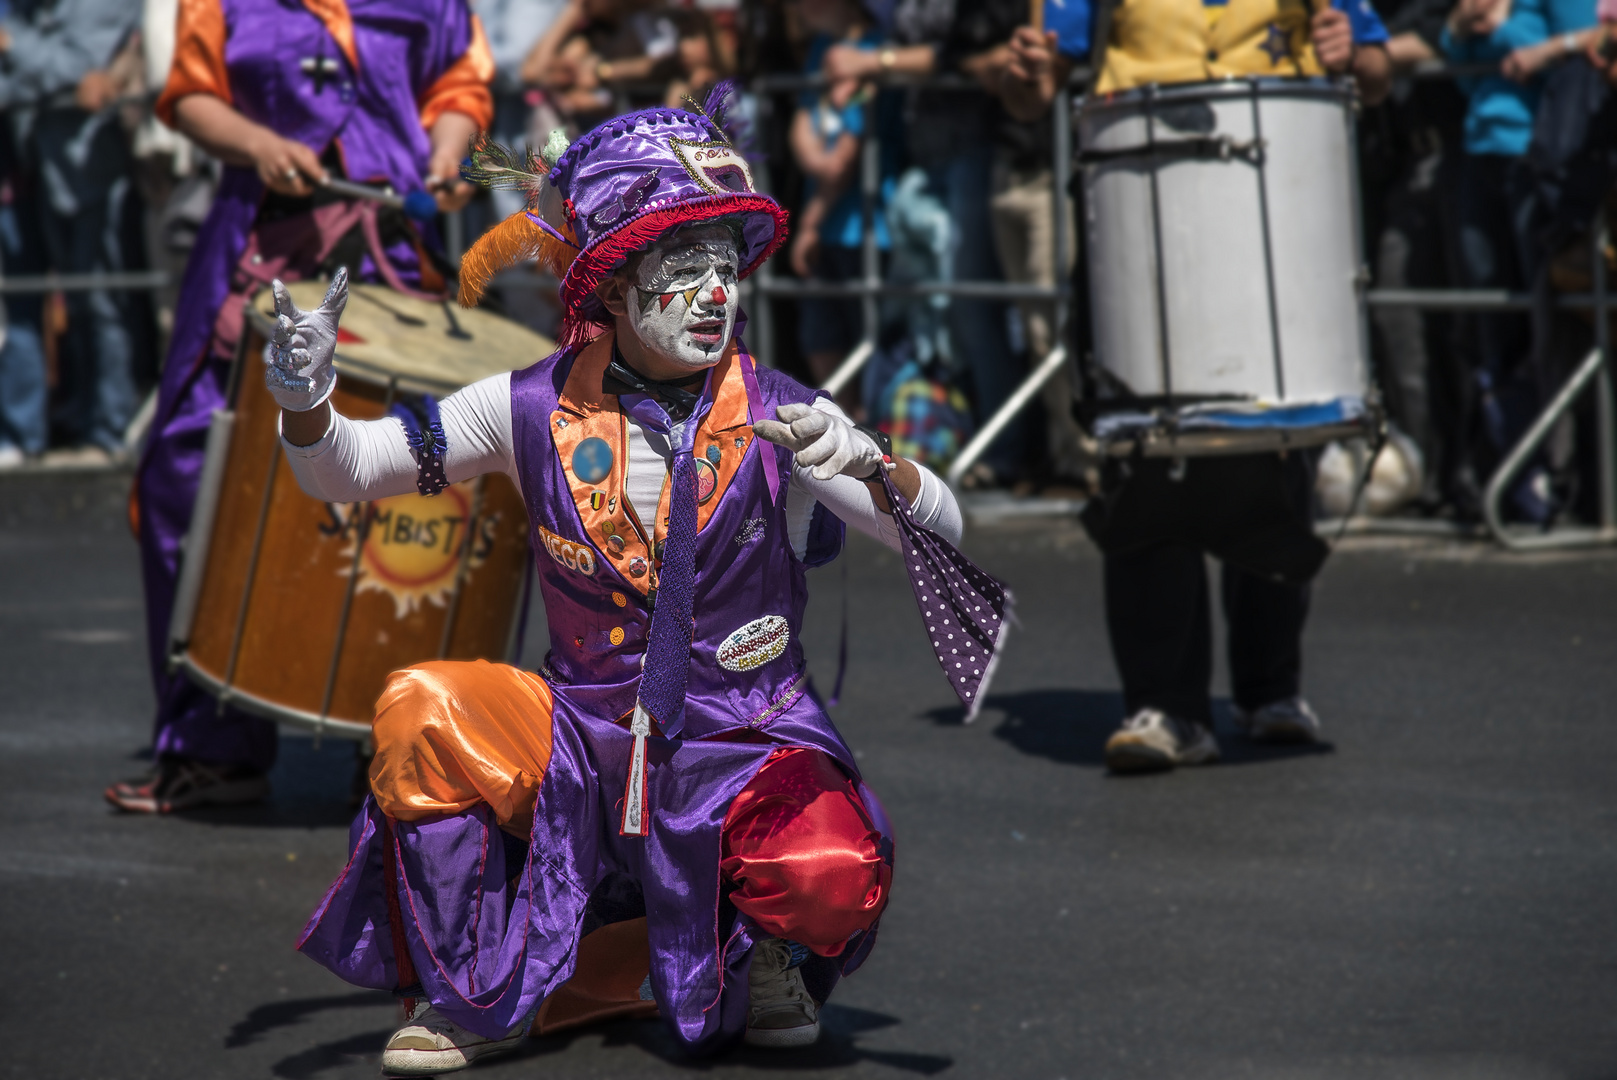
[417,204]
[1035,15]
[403,317]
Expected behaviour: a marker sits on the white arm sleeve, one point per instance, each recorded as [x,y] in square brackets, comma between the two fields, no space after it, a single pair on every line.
[357,460]
[849,499]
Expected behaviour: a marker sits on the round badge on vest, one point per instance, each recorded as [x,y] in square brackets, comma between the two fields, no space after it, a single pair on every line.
[592,460]
[707,480]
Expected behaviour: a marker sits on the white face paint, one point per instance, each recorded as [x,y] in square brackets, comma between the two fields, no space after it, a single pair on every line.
[683,300]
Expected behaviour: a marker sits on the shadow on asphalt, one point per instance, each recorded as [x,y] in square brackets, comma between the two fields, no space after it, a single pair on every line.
[314,1060]
[308,790]
[1071,727]
[841,1027]
[838,1046]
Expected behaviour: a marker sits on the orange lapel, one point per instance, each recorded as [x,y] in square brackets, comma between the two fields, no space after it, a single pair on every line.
[584,413]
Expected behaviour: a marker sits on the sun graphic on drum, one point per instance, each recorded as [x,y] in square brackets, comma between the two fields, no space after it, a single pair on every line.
[415,545]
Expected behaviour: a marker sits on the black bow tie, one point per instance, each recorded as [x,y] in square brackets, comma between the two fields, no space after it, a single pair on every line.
[678,402]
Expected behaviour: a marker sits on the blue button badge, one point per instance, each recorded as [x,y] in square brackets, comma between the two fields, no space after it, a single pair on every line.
[592,461]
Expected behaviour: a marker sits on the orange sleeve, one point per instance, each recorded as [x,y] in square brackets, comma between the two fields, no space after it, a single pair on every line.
[199,57]
[463,87]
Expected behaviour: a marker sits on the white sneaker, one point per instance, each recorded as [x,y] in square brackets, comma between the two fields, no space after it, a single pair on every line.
[11,457]
[780,1013]
[1151,740]
[1291,720]
[429,1044]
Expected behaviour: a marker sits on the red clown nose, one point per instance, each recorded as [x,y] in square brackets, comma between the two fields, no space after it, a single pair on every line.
[719,295]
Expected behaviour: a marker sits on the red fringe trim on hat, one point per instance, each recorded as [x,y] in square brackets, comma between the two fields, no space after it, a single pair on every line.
[593,265]
[514,241]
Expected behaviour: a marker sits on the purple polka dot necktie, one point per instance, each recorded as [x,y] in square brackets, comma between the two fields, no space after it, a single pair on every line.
[966,612]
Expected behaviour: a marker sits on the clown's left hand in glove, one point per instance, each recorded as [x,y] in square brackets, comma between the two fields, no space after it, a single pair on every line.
[298,359]
[824,443]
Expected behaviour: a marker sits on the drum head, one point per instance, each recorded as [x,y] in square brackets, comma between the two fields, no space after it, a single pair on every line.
[386,336]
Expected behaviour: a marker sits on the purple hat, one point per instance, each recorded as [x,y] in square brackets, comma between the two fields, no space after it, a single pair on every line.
[635,177]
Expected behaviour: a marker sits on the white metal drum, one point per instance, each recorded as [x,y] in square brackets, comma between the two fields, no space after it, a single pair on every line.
[1223,240]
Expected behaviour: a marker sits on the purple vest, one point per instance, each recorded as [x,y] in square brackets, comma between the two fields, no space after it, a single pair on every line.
[597,568]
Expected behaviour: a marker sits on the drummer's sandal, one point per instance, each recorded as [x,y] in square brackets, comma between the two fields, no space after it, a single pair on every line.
[183,784]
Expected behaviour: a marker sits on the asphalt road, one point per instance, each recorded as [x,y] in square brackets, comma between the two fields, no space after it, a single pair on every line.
[1430,896]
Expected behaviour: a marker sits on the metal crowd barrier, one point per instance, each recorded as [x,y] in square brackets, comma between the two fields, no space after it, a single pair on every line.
[1594,371]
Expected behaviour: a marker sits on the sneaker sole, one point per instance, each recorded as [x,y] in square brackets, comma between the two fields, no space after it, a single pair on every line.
[783,1038]
[410,1062]
[1284,735]
[1135,758]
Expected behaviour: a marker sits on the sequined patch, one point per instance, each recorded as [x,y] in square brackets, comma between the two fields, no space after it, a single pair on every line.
[578,557]
[592,460]
[755,644]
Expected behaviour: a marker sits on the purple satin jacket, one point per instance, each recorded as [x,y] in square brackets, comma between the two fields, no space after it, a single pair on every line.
[748,695]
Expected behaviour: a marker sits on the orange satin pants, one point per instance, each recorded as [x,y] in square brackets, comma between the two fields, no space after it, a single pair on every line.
[798,845]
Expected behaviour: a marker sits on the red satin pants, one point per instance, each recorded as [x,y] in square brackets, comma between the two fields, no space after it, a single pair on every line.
[803,853]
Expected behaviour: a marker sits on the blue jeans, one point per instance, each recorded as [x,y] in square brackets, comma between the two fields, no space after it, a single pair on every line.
[22,358]
[964,184]
[91,222]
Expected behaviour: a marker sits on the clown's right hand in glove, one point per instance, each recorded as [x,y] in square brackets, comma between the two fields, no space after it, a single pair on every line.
[825,444]
[298,359]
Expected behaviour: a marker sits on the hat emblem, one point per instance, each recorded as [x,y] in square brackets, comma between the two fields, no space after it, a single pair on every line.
[632,199]
[715,166]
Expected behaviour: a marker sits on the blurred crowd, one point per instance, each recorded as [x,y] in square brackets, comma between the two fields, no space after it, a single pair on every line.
[1488,175]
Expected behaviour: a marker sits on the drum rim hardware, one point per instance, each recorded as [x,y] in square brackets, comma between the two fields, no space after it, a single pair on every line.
[230,639]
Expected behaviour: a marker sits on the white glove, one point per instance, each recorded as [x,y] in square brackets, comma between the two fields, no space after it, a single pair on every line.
[298,359]
[827,445]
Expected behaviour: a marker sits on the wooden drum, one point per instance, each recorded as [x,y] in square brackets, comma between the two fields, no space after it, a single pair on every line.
[296,610]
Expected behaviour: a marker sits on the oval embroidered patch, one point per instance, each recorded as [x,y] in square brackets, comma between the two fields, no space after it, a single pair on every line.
[592,460]
[755,644]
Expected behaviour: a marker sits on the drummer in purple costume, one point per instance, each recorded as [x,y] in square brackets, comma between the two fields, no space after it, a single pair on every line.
[664,816]
[283,92]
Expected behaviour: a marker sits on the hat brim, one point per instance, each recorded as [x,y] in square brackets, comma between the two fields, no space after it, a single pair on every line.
[765,232]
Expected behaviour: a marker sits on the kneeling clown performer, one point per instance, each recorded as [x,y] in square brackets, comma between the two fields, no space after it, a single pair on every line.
[662,819]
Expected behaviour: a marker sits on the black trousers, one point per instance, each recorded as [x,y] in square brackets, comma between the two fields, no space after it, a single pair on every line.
[1155,529]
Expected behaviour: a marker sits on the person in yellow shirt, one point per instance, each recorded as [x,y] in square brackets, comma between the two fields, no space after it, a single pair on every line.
[1156,526]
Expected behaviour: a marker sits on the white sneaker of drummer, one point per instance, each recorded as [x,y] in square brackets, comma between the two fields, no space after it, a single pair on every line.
[1151,740]
[430,1043]
[1290,720]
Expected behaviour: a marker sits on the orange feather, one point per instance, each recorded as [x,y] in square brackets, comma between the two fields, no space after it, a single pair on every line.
[512,242]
